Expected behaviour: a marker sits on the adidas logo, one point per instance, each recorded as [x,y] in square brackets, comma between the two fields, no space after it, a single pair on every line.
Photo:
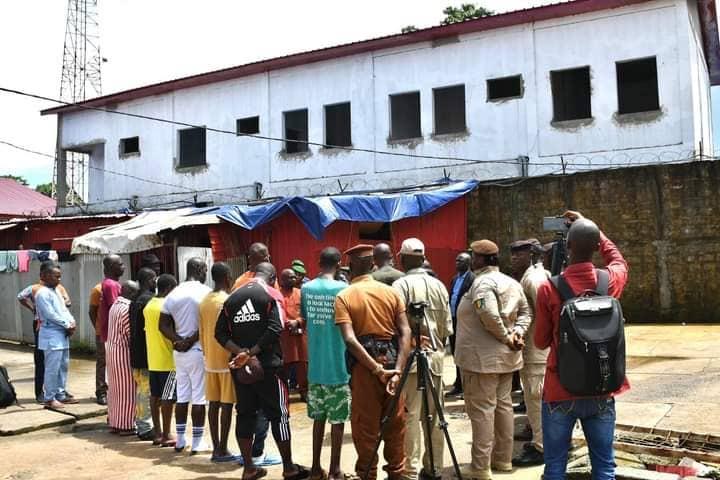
[247,313]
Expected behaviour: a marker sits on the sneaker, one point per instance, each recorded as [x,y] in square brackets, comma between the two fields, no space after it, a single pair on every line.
[69,400]
[147,436]
[470,473]
[455,392]
[530,456]
[425,475]
[69,395]
[101,400]
[267,459]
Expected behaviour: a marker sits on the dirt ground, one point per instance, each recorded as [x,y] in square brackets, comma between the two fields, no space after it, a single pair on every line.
[674,371]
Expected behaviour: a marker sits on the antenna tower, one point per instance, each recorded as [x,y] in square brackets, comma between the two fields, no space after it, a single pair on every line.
[80,79]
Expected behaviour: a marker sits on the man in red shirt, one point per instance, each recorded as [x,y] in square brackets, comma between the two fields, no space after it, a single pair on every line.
[560,408]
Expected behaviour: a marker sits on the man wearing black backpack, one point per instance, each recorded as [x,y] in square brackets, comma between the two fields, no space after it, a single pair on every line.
[567,394]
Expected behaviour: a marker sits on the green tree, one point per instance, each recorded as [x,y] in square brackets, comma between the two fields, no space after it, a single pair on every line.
[466,11]
[409,29]
[18,179]
[45,189]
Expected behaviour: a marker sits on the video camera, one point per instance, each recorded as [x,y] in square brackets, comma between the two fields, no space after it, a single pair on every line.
[560,226]
[417,309]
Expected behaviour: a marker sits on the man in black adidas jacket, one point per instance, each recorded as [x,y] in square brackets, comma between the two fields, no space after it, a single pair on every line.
[249,326]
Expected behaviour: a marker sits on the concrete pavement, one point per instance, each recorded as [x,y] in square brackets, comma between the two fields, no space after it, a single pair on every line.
[674,372]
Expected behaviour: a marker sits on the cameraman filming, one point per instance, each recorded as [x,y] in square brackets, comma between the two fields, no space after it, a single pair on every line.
[493,317]
[561,409]
[428,309]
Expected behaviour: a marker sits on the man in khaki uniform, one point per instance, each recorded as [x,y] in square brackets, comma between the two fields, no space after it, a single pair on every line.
[493,318]
[526,259]
[418,286]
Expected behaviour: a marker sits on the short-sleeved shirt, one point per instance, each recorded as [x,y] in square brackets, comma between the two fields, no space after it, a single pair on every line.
[159,348]
[387,275]
[95,295]
[183,304]
[370,306]
[326,346]
[216,357]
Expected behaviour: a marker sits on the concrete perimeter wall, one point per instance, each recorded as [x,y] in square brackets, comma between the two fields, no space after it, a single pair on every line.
[665,220]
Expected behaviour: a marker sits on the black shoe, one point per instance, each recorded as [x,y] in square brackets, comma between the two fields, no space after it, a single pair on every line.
[455,392]
[147,436]
[525,435]
[69,395]
[425,475]
[529,457]
[101,400]
[520,408]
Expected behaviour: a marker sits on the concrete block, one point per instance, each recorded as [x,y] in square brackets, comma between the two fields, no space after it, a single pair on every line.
[23,421]
[642,474]
[84,410]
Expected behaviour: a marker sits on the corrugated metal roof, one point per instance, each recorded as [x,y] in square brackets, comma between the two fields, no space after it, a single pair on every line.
[21,201]
[501,20]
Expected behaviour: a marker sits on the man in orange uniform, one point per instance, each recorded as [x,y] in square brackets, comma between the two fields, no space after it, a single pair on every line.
[293,338]
[372,320]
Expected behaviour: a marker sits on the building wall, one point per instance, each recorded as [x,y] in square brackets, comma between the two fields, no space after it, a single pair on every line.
[496,131]
[663,219]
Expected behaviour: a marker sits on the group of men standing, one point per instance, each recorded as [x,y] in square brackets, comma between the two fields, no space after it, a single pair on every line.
[347,346]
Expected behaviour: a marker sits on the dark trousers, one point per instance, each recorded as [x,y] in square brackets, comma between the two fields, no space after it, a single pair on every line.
[100,383]
[39,358]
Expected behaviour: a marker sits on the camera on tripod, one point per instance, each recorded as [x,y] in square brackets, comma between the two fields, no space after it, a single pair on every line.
[417,309]
[560,226]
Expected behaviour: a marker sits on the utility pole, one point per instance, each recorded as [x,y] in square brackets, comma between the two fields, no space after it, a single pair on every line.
[80,79]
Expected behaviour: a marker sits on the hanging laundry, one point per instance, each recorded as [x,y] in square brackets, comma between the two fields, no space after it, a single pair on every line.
[23,260]
[8,261]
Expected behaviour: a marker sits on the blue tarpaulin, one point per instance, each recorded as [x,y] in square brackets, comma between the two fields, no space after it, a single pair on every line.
[317,213]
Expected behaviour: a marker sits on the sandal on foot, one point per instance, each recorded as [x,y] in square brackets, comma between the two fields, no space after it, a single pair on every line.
[301,473]
[259,473]
[319,476]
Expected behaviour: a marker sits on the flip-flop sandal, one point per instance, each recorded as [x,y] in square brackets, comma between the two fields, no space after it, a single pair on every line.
[157,441]
[167,443]
[259,473]
[301,474]
[226,459]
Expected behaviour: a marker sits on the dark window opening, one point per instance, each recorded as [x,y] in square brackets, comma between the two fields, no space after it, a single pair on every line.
[296,128]
[129,145]
[637,85]
[449,109]
[374,231]
[247,126]
[571,94]
[506,87]
[405,116]
[192,147]
[337,125]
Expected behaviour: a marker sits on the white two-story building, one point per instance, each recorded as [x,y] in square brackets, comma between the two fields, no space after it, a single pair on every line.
[565,87]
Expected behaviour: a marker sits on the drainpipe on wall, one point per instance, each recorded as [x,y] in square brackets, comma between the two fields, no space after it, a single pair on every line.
[524,162]
[61,189]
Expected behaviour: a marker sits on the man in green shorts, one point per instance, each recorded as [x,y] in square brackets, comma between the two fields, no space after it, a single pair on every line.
[329,392]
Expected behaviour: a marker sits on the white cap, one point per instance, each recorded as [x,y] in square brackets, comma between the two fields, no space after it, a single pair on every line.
[412,246]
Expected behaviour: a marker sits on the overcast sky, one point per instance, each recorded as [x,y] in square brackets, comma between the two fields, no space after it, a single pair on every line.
[147,41]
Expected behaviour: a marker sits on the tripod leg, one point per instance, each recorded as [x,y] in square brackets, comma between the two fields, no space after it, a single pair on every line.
[424,371]
[444,427]
[389,413]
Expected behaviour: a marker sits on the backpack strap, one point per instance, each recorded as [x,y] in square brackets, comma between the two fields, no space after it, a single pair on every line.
[603,282]
[566,293]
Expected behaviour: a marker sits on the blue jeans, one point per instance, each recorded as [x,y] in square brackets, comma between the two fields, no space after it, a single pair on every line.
[56,370]
[597,417]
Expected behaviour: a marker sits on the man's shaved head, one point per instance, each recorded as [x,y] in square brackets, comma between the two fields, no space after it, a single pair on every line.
[196,269]
[382,254]
[583,240]
[266,271]
[113,266]
[257,253]
[130,289]
[288,277]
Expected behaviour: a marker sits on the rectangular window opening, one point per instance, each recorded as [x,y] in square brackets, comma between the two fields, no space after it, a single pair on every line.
[504,88]
[449,107]
[571,94]
[374,231]
[637,86]
[130,145]
[192,147]
[405,116]
[296,128]
[247,126]
[337,125]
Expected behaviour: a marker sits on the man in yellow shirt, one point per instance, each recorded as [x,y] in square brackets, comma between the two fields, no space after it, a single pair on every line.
[219,389]
[161,364]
